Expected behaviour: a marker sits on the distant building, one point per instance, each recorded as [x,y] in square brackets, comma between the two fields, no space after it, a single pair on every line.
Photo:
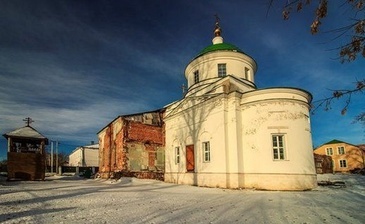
[132,143]
[85,156]
[345,156]
[26,154]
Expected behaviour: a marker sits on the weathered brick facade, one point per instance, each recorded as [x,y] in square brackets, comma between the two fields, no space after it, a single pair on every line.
[132,144]
[26,166]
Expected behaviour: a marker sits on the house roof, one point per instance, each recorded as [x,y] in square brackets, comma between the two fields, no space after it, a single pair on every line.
[25,132]
[94,146]
[334,141]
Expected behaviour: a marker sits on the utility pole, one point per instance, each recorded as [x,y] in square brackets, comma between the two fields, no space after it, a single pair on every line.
[57,157]
[52,157]
[28,121]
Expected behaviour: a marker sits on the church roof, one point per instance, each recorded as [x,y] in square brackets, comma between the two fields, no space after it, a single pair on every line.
[219,47]
[25,132]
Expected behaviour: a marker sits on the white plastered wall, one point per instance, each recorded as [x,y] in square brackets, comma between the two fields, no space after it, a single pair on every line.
[277,111]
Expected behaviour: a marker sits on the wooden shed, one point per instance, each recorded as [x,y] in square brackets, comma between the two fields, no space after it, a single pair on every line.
[26,154]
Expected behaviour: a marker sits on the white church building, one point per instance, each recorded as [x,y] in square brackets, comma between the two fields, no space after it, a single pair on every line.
[227,133]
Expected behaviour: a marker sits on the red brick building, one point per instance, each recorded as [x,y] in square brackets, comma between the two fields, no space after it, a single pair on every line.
[133,145]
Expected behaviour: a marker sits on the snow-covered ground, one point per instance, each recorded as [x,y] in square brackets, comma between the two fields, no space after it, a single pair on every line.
[129,200]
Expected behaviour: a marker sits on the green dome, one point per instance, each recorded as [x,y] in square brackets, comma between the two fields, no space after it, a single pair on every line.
[219,47]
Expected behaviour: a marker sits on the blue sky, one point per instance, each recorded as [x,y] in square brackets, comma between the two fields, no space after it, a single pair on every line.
[74,66]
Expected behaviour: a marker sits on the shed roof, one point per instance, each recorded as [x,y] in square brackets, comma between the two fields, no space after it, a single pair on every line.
[25,132]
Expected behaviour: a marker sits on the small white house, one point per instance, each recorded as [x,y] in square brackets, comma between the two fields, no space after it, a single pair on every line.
[227,133]
[85,156]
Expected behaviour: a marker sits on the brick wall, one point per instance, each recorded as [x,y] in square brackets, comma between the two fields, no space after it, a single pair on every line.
[145,133]
[26,166]
[117,138]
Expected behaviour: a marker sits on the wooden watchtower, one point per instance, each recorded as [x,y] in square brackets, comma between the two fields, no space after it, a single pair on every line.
[26,153]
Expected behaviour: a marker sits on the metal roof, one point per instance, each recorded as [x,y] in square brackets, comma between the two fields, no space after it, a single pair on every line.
[25,132]
[219,47]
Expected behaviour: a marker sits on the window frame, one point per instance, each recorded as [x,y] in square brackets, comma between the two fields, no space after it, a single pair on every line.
[343,150]
[247,73]
[177,155]
[222,71]
[327,150]
[196,77]
[206,152]
[343,163]
[278,151]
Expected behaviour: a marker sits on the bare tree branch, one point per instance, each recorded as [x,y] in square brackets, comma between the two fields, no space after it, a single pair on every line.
[354,47]
[337,94]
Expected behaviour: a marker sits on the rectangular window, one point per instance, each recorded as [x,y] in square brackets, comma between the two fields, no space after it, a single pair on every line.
[160,158]
[341,150]
[206,151]
[247,73]
[177,155]
[343,163]
[278,147]
[196,76]
[329,151]
[222,71]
